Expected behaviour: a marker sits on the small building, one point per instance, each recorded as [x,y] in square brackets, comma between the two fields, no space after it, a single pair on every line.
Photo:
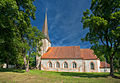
[104,67]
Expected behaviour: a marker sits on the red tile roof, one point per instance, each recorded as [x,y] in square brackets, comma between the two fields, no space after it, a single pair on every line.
[88,54]
[68,52]
[104,65]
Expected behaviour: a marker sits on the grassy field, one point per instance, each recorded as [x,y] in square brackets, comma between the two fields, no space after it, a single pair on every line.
[37,76]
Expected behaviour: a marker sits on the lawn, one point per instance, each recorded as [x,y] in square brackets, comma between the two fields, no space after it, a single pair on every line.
[37,76]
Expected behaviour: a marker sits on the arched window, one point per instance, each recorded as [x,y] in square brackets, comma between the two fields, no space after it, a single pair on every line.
[92,65]
[65,65]
[50,64]
[74,65]
[57,65]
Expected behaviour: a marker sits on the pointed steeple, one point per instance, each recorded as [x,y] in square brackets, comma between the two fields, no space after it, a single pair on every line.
[45,27]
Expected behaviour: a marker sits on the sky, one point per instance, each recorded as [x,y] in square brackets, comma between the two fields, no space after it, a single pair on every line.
[64,21]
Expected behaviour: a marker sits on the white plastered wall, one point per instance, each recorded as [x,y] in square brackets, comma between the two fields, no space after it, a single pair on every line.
[44,65]
[104,69]
[87,67]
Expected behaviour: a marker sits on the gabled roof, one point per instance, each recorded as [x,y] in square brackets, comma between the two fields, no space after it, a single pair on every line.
[68,52]
[88,54]
[104,65]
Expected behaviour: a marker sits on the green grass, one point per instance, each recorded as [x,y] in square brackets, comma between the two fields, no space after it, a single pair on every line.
[37,76]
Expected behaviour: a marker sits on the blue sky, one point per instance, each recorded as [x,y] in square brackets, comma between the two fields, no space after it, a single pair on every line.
[64,21]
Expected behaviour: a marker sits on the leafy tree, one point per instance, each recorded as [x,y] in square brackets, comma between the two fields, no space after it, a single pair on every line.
[14,20]
[104,28]
[32,39]
[9,39]
[32,62]
[116,63]
[20,62]
[17,36]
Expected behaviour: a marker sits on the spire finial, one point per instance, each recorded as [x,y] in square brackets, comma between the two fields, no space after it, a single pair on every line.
[46,9]
[46,13]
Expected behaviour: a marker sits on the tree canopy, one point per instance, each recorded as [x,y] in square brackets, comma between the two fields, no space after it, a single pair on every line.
[104,28]
[17,36]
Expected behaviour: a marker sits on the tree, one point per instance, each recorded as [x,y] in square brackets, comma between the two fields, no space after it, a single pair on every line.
[9,39]
[32,40]
[104,28]
[17,36]
[14,22]
[20,62]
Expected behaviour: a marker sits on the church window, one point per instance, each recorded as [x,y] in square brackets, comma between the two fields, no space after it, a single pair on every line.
[65,65]
[74,65]
[50,64]
[57,65]
[92,65]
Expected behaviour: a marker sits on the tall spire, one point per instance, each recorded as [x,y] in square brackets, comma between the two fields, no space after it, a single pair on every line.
[45,27]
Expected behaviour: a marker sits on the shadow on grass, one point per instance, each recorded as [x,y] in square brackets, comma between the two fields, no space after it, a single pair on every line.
[11,70]
[88,75]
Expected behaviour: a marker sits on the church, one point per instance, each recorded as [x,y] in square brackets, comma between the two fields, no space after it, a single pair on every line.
[68,58]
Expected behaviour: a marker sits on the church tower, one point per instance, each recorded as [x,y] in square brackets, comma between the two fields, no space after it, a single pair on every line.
[46,42]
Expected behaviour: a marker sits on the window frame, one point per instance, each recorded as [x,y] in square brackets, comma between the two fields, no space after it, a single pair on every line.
[64,65]
[74,65]
[49,64]
[58,64]
[92,66]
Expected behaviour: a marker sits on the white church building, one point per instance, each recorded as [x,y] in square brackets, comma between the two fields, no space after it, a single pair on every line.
[69,58]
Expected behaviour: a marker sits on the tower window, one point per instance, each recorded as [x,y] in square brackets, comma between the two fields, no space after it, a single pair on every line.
[65,65]
[57,65]
[74,65]
[92,66]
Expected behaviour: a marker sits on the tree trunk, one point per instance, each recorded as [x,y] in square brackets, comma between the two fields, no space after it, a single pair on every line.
[111,66]
[37,62]
[27,67]
[25,62]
